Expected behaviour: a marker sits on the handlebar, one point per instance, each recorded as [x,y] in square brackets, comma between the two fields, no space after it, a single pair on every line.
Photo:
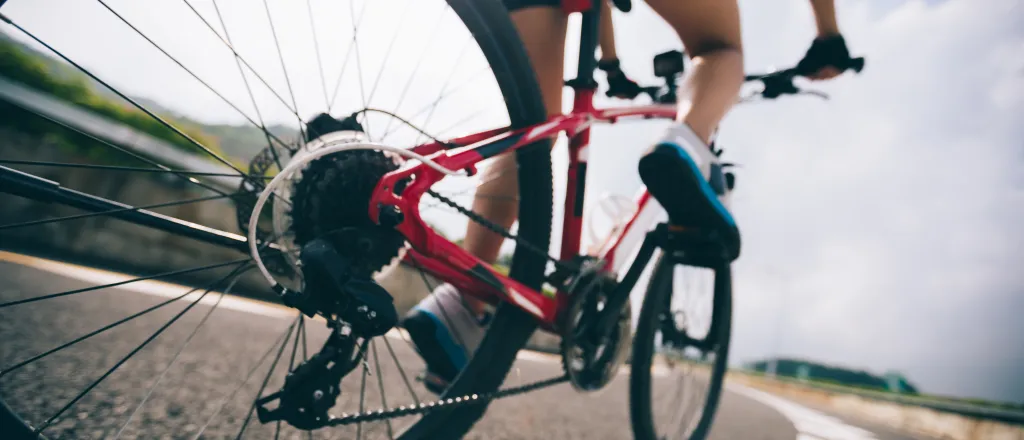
[775,84]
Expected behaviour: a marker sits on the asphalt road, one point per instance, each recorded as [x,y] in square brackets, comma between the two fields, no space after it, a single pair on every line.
[204,390]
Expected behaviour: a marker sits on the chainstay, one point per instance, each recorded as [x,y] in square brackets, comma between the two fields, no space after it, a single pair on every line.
[472,215]
[451,403]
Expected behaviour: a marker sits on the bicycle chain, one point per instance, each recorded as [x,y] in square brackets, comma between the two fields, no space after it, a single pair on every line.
[498,229]
[452,403]
[470,399]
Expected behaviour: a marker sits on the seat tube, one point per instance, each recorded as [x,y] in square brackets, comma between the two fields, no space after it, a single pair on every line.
[576,179]
[583,102]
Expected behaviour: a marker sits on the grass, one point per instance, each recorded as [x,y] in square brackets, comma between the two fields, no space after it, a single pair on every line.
[884,393]
[19,64]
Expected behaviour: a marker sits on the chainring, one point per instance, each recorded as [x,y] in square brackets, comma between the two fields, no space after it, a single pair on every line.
[590,366]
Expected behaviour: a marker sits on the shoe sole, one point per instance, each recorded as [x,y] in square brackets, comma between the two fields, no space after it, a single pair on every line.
[679,186]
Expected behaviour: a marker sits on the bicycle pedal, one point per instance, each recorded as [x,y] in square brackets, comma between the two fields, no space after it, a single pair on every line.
[330,288]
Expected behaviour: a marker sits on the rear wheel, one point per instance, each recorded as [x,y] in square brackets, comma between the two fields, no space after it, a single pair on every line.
[680,351]
[485,32]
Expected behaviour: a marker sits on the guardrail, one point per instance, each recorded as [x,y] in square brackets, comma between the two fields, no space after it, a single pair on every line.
[965,409]
[112,131]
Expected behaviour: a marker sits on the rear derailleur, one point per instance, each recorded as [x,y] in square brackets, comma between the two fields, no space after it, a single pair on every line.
[311,389]
[356,308]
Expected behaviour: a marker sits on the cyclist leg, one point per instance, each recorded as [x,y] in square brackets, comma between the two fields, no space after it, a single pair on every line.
[681,171]
[446,327]
[710,31]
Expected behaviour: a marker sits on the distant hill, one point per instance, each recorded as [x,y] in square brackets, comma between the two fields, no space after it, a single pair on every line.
[47,73]
[810,370]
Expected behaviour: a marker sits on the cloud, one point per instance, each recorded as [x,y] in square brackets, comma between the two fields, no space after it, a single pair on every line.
[894,211]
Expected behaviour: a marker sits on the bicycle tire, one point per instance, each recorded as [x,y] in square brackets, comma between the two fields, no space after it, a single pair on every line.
[491,26]
[492,29]
[640,383]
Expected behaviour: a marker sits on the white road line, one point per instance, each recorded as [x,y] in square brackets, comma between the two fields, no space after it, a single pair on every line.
[148,287]
[810,424]
[169,290]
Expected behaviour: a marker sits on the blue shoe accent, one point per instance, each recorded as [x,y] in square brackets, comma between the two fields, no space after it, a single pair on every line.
[690,199]
[443,337]
[705,186]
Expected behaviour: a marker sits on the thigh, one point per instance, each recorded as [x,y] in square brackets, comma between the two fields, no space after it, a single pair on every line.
[703,25]
[542,30]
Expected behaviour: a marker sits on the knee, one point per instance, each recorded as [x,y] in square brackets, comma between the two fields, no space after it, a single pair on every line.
[727,59]
[716,48]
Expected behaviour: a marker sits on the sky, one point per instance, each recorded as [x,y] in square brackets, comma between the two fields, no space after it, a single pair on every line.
[881,229]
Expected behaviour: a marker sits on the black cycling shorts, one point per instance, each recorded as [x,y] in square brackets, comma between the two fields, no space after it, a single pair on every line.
[515,5]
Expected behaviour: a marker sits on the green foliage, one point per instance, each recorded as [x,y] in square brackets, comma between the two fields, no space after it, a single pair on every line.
[19,64]
[831,374]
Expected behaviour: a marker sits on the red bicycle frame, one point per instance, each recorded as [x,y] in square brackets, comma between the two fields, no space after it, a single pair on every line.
[449,262]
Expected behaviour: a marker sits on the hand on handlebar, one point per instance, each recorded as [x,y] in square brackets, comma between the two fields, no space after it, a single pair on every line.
[814,66]
[825,59]
[619,85]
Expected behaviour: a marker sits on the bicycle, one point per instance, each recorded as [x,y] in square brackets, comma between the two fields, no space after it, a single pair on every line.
[588,308]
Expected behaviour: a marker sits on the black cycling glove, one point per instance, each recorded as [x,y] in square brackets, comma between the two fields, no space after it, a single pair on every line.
[825,52]
[619,86]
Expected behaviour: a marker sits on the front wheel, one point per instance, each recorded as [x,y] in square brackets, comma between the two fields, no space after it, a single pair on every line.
[680,351]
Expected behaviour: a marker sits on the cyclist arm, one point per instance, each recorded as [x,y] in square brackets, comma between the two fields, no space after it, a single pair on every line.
[606,33]
[828,51]
[619,85]
[825,17]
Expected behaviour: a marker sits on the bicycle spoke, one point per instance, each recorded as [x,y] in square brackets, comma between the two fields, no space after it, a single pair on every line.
[359,65]
[280,56]
[436,102]
[291,364]
[174,359]
[121,283]
[316,50]
[455,65]
[442,132]
[248,88]
[266,379]
[110,371]
[107,327]
[120,168]
[238,57]
[194,75]
[113,211]
[362,398]
[380,384]
[419,61]
[404,121]
[180,174]
[131,101]
[387,53]
[401,372]
[283,339]
[348,52]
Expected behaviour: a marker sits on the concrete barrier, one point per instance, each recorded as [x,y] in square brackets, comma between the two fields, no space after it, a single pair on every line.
[904,417]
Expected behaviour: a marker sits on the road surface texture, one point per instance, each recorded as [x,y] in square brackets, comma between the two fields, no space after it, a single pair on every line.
[204,389]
